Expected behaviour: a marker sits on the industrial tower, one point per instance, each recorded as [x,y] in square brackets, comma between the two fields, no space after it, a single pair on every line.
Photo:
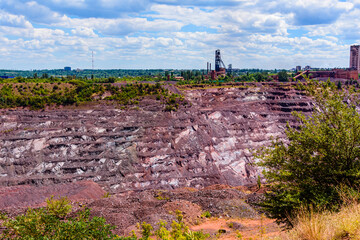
[218,61]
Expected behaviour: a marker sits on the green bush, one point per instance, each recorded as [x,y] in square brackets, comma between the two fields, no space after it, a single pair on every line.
[51,223]
[59,208]
[317,158]
[178,231]
[206,214]
[283,76]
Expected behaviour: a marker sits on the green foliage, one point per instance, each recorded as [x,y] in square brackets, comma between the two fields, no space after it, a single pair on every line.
[52,222]
[283,76]
[178,231]
[339,85]
[106,195]
[146,230]
[206,214]
[37,95]
[258,182]
[59,208]
[45,224]
[159,195]
[318,157]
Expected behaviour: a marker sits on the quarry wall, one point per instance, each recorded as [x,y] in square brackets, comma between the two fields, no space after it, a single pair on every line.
[209,141]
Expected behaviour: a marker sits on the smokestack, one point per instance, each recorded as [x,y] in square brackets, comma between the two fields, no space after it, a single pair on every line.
[210,67]
[207,68]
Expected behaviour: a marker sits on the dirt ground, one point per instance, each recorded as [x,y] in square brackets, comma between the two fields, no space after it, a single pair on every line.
[245,229]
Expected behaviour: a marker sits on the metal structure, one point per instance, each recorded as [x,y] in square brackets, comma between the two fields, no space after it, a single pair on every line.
[229,70]
[218,62]
[92,59]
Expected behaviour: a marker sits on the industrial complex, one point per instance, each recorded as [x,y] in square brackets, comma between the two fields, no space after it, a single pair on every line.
[220,69]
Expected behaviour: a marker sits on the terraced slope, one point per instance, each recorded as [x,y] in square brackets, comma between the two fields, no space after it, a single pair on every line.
[207,143]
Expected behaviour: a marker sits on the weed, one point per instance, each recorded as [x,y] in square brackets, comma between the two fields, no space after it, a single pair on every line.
[239,235]
[262,229]
[258,182]
[159,195]
[206,214]
[106,195]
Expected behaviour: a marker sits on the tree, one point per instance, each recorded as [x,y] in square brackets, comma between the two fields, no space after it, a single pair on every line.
[283,76]
[317,158]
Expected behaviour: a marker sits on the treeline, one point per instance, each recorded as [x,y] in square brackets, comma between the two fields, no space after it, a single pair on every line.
[282,76]
[121,73]
[39,95]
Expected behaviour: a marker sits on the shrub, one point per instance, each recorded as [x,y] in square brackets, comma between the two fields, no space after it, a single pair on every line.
[48,223]
[206,214]
[316,158]
[283,76]
[178,231]
[59,208]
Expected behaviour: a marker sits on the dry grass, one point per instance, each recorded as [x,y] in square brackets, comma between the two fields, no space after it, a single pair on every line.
[341,225]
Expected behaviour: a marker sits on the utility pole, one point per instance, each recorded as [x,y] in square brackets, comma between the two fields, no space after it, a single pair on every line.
[92,61]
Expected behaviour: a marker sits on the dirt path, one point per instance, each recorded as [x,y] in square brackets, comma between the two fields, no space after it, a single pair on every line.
[244,229]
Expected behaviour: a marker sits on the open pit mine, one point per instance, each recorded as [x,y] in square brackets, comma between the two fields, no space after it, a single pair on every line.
[208,141]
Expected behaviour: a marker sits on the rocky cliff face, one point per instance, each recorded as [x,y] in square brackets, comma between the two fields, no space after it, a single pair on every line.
[209,142]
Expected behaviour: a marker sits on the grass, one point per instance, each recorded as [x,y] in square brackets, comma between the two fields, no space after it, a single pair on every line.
[310,225]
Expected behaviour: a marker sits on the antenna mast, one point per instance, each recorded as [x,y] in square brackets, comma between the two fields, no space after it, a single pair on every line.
[92,59]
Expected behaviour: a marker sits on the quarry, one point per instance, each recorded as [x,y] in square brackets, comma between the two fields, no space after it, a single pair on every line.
[209,141]
[150,161]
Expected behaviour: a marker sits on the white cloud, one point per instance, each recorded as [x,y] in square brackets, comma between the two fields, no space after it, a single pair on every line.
[178,34]
[83,32]
[11,20]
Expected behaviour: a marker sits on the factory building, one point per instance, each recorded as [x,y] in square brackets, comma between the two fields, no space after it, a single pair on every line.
[351,73]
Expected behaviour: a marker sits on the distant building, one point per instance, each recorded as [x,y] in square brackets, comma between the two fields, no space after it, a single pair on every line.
[355,57]
[307,68]
[229,70]
[298,68]
[349,74]
[67,69]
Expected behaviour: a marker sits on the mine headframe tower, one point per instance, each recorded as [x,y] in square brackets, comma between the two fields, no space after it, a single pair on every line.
[218,62]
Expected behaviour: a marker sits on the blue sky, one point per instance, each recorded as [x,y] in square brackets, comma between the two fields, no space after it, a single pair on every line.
[182,34]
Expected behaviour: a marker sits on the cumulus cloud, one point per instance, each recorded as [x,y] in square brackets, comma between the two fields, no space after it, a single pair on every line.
[78,8]
[308,12]
[201,3]
[178,34]
[11,20]
[32,10]
[83,32]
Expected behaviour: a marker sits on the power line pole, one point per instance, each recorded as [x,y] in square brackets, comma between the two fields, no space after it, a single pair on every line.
[92,61]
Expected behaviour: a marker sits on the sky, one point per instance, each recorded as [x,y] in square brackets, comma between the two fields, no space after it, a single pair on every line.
[176,34]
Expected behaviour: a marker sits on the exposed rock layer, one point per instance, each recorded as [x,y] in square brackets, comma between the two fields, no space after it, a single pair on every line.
[209,142]
[25,196]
